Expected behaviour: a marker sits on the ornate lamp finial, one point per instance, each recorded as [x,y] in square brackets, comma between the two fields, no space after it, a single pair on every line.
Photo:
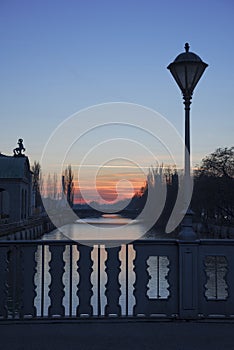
[186,47]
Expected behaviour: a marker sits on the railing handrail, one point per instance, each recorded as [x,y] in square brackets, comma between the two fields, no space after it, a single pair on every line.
[160,241]
[89,242]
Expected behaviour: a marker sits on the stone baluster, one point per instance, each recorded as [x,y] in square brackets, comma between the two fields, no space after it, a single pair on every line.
[28,287]
[141,281]
[113,286]
[56,287]
[84,291]
[3,282]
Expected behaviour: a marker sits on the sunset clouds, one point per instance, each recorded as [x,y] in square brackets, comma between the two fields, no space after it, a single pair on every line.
[113,182]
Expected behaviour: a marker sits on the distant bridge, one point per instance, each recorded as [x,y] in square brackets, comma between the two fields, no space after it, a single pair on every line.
[90,212]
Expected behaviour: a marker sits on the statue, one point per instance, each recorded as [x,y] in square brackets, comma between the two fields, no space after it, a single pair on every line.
[18,150]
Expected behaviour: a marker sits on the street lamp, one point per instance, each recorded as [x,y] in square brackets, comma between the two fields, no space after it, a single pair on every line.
[187,70]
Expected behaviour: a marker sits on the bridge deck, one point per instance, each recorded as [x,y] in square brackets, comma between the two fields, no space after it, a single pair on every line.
[121,335]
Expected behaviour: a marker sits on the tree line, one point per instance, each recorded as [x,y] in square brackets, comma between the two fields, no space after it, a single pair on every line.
[52,187]
[213,192]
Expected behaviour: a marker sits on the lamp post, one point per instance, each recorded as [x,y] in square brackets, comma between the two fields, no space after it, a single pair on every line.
[187,70]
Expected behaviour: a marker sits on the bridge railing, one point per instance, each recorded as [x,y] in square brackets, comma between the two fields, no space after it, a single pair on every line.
[147,278]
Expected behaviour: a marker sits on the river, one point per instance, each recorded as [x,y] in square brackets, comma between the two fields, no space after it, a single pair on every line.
[106,227]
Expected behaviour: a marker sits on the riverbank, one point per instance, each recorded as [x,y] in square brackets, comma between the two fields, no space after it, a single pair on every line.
[32,228]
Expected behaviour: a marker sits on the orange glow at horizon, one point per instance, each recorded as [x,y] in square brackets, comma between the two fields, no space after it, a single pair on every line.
[110,186]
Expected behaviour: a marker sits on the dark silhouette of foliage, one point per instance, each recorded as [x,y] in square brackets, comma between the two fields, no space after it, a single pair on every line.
[213,195]
[68,185]
[158,177]
[37,183]
[219,163]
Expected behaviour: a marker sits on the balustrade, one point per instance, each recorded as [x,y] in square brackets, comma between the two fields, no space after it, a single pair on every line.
[148,278]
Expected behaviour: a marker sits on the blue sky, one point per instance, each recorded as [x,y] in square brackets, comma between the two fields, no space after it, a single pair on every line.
[60,56]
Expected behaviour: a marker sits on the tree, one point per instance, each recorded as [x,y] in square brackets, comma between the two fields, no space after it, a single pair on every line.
[49,189]
[52,186]
[213,195]
[37,182]
[68,185]
[55,186]
[219,163]
[159,179]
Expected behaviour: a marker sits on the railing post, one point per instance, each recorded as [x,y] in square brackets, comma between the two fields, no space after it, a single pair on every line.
[188,271]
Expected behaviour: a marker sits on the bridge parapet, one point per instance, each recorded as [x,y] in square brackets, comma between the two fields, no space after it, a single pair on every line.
[146,279]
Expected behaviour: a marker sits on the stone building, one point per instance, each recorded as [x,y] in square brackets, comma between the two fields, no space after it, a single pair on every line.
[15,187]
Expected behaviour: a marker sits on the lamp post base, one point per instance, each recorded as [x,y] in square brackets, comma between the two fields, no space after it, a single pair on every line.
[187,232]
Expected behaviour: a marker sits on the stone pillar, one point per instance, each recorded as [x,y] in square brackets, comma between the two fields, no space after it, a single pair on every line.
[188,270]
[188,280]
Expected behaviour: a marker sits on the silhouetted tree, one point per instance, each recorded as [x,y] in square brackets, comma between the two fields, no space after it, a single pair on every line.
[168,176]
[49,186]
[157,178]
[37,182]
[213,195]
[68,185]
[219,163]
[55,186]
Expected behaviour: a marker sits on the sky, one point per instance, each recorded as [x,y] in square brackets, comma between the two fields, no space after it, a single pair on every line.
[59,57]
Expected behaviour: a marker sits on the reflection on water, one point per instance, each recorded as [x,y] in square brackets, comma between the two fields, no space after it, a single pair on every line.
[107,227]
[105,219]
